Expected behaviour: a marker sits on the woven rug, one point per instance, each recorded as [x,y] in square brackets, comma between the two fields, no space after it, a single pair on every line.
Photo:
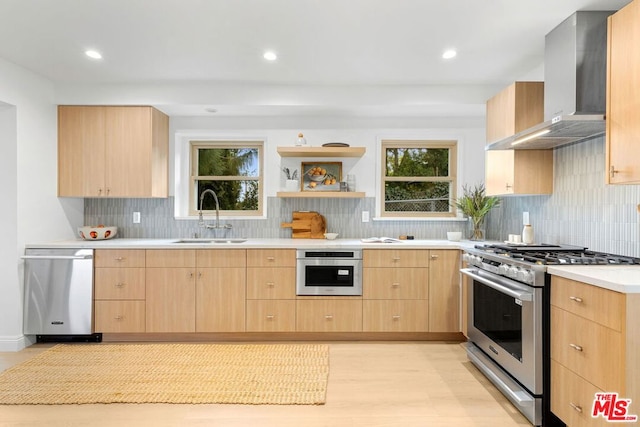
[258,374]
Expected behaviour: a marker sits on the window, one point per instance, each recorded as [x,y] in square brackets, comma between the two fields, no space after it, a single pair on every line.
[233,170]
[418,178]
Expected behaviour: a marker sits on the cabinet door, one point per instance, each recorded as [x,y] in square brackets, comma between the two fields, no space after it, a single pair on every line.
[519,172]
[119,316]
[623,92]
[271,316]
[395,283]
[171,300]
[572,397]
[444,291]
[220,300]
[81,151]
[395,315]
[329,315]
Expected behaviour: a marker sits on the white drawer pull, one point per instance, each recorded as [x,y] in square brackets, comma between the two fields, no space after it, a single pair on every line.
[576,299]
[575,347]
[578,408]
[396,317]
[328,317]
[270,317]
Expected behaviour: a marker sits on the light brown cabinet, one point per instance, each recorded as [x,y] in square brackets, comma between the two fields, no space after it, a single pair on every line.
[593,348]
[514,109]
[623,92]
[271,290]
[109,151]
[329,315]
[119,291]
[444,290]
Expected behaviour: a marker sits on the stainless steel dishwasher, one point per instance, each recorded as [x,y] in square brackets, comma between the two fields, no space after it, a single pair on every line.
[58,301]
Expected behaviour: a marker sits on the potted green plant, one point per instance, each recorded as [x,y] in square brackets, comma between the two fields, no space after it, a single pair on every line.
[475,204]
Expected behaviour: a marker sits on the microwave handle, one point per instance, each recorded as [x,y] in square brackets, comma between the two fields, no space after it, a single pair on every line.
[523,296]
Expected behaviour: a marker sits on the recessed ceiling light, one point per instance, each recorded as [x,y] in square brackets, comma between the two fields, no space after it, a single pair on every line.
[93,54]
[449,53]
[270,55]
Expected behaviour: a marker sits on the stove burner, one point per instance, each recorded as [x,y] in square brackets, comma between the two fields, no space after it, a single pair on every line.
[558,255]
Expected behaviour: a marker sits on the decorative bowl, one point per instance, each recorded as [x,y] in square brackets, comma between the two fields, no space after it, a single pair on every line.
[99,232]
[454,236]
[317,178]
[330,236]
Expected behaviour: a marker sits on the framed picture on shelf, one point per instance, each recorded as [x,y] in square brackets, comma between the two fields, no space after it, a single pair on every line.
[321,176]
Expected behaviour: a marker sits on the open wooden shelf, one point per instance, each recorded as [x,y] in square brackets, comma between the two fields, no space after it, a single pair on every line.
[321,194]
[321,151]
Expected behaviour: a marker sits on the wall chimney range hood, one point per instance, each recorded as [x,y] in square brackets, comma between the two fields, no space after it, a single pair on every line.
[575,72]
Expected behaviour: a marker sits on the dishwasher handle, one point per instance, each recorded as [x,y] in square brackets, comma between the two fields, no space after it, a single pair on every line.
[57,257]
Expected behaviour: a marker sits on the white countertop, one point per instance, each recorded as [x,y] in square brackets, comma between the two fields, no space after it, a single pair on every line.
[620,278]
[117,243]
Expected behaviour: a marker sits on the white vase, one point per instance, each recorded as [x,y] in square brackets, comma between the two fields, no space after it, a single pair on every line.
[292,185]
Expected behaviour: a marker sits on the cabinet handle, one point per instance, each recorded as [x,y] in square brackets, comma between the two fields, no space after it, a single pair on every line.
[508,186]
[119,259]
[271,258]
[612,171]
[108,191]
[99,191]
[434,256]
[578,408]
[271,284]
[396,259]
[270,317]
[191,275]
[329,316]
[575,347]
[576,299]
[395,317]
[120,285]
[199,274]
[395,285]
[119,317]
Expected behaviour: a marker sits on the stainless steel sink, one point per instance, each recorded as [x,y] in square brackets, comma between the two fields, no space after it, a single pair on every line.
[210,241]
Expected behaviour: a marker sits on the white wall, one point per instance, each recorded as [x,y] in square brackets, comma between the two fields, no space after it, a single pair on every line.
[31,211]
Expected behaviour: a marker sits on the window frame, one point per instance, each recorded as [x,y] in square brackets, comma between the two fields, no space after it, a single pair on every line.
[452,177]
[196,144]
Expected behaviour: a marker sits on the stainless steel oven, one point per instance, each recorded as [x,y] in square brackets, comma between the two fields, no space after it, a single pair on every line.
[328,272]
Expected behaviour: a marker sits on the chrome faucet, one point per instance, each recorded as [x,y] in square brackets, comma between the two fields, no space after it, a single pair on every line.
[201,219]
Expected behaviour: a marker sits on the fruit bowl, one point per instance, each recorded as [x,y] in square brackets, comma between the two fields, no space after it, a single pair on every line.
[99,232]
[330,236]
[317,178]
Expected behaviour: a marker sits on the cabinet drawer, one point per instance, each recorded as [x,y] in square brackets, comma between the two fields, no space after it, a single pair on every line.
[329,315]
[395,258]
[600,305]
[592,351]
[572,397]
[119,283]
[271,258]
[395,283]
[271,283]
[271,316]
[119,316]
[221,258]
[171,258]
[395,315]
[119,258]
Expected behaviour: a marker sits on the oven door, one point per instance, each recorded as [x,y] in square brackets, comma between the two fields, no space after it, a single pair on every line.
[505,321]
[327,276]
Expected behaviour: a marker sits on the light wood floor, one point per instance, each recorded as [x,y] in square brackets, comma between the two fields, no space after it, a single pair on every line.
[371,384]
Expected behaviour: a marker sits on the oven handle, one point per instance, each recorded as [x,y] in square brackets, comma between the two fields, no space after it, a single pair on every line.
[522,296]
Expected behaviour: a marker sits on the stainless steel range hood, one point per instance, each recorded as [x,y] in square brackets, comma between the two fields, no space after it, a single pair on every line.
[575,67]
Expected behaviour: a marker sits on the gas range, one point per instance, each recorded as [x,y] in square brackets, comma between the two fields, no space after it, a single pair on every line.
[528,263]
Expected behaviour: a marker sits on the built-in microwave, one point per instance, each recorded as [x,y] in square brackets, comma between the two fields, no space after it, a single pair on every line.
[328,272]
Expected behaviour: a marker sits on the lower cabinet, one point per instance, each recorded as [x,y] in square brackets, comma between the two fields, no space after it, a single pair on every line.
[171,299]
[275,315]
[329,315]
[220,297]
[395,315]
[120,316]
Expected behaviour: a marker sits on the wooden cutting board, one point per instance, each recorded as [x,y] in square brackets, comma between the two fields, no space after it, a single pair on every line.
[306,225]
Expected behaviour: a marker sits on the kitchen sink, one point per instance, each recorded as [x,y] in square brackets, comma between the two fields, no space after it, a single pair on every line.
[196,240]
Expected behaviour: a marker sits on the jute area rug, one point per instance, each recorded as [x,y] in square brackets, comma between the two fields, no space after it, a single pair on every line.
[278,374]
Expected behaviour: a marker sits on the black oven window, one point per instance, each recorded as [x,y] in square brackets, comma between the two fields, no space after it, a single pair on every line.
[499,317]
[333,276]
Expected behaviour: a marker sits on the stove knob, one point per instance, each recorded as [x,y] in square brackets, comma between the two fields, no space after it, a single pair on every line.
[465,257]
[503,269]
[528,277]
[513,272]
[522,274]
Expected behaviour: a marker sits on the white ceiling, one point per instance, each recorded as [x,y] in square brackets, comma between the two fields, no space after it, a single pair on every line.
[333,44]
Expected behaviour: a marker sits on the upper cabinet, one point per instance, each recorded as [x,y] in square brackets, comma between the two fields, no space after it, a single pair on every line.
[623,95]
[112,151]
[516,108]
